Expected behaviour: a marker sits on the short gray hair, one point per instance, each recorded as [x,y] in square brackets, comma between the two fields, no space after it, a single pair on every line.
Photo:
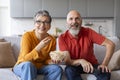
[43,13]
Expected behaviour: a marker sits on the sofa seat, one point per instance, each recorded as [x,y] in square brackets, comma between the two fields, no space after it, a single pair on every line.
[7,74]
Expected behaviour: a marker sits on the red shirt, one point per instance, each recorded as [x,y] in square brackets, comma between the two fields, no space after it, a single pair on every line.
[81,48]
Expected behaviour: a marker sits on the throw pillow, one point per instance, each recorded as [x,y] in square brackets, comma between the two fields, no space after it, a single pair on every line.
[2,40]
[6,55]
[114,63]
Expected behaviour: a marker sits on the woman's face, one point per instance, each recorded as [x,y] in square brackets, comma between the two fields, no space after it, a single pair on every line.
[42,24]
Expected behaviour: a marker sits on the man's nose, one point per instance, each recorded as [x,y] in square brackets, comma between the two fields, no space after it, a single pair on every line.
[73,20]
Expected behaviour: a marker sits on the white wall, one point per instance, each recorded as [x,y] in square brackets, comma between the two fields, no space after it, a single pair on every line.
[20,25]
[4,18]
[12,26]
[107,28]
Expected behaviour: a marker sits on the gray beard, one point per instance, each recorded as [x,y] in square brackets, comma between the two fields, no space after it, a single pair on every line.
[74,32]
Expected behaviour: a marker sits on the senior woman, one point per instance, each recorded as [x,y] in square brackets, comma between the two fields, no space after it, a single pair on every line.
[34,53]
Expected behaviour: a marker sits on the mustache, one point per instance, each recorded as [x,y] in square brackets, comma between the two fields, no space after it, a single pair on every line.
[76,25]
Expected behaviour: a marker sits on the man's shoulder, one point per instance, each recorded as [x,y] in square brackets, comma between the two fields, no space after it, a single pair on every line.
[85,28]
[65,34]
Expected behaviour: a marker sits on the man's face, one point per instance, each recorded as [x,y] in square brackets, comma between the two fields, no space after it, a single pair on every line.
[74,22]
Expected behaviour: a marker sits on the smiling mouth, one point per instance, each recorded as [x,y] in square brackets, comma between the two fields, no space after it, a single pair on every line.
[42,29]
[74,26]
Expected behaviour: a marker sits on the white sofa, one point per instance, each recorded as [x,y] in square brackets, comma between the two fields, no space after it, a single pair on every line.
[7,74]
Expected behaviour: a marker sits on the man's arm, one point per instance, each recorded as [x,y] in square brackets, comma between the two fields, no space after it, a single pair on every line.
[109,52]
[87,66]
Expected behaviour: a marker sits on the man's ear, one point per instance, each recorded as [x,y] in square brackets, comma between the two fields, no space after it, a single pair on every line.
[67,26]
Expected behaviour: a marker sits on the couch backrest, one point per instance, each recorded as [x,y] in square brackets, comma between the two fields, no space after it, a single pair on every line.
[98,50]
[15,43]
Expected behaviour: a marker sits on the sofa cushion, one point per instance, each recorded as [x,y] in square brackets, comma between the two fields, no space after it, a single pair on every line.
[114,63]
[2,40]
[7,74]
[6,55]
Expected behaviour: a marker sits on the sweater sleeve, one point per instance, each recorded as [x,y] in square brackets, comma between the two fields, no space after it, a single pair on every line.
[52,48]
[27,53]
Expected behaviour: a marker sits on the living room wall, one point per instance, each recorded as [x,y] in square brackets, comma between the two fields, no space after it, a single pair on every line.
[4,18]
[17,26]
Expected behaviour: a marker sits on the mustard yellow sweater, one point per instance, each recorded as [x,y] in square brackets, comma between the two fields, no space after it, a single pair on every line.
[28,52]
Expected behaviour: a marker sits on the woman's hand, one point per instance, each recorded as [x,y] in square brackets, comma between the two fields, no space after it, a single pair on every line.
[43,43]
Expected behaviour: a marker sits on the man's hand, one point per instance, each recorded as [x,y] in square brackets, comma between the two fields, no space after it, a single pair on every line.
[104,68]
[87,66]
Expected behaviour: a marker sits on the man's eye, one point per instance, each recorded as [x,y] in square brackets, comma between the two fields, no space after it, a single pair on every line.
[77,18]
[38,21]
[71,19]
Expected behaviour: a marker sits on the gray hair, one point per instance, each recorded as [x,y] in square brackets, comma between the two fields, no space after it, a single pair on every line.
[43,13]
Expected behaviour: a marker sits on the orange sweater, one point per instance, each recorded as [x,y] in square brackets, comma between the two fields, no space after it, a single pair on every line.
[28,53]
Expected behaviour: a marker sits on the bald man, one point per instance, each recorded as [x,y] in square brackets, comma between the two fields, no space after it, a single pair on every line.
[78,42]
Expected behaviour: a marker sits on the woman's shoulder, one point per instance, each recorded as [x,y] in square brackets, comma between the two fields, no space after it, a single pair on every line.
[28,34]
[51,36]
